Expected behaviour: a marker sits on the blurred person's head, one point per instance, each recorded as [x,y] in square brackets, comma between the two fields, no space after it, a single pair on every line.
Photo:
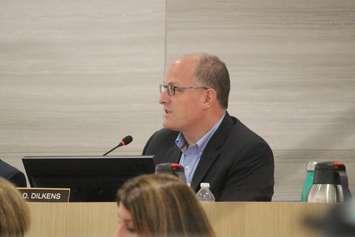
[160,206]
[339,221]
[14,212]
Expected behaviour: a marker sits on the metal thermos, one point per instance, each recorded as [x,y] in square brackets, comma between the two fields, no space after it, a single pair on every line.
[326,186]
[343,178]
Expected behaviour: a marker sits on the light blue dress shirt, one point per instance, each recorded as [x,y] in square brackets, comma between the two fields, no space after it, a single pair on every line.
[191,154]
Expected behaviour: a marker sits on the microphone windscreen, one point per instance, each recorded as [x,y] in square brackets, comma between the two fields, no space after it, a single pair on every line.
[127,139]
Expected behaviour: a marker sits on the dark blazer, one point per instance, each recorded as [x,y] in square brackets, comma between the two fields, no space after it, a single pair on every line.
[12,174]
[238,164]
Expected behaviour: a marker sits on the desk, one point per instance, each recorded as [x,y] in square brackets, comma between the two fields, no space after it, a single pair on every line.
[241,219]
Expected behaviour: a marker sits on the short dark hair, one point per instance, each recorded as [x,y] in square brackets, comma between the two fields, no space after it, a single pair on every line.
[212,72]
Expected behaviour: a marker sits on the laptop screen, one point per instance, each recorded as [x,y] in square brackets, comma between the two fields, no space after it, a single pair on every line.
[90,178]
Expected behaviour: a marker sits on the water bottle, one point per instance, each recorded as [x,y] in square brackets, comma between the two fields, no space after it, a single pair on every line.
[309,180]
[205,194]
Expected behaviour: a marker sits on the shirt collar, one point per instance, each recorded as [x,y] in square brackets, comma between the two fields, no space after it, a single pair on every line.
[181,142]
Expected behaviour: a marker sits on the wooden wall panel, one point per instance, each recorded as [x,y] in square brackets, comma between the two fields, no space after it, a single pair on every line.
[77,76]
[228,219]
[292,66]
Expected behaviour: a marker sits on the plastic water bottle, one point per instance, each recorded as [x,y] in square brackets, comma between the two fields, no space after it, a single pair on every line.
[205,194]
[308,182]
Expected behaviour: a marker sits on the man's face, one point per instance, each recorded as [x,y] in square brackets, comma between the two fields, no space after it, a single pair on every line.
[183,110]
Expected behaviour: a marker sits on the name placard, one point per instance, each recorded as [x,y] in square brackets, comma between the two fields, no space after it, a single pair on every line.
[45,194]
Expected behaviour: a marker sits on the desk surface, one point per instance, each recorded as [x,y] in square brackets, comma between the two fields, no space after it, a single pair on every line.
[276,219]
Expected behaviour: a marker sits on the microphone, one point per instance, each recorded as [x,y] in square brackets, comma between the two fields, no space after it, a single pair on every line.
[125,141]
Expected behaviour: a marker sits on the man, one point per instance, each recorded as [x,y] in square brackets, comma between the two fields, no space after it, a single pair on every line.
[199,133]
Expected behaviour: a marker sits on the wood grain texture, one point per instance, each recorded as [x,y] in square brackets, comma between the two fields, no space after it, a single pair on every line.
[292,66]
[291,63]
[227,219]
[76,76]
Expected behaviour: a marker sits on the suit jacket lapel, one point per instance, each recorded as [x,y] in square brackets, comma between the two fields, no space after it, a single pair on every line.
[212,151]
[173,155]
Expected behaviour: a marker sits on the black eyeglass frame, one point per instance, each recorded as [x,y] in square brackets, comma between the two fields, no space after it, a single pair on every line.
[171,89]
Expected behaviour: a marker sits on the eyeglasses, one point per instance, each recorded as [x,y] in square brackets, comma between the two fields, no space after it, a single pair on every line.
[171,89]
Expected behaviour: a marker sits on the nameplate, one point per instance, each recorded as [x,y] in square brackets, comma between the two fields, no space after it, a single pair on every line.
[45,194]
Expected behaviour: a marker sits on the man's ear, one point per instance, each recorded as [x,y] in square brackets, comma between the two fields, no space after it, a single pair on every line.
[210,97]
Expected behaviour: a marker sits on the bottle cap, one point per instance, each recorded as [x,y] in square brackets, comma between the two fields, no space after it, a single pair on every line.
[338,165]
[311,165]
[205,185]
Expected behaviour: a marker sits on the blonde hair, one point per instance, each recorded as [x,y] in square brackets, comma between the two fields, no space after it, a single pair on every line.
[162,205]
[14,212]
